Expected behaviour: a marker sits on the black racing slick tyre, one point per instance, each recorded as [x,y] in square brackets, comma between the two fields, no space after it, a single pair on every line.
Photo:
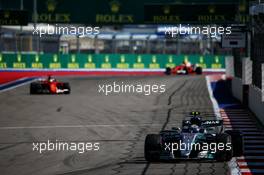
[199,70]
[186,71]
[226,153]
[34,88]
[152,147]
[67,86]
[168,71]
[237,142]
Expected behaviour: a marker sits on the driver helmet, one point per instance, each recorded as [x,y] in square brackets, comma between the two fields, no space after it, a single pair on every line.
[196,120]
[188,64]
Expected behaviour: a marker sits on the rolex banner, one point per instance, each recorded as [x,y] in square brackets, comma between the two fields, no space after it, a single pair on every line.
[106,61]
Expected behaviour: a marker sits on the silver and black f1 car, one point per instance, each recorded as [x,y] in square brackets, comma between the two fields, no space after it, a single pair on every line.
[197,139]
[49,86]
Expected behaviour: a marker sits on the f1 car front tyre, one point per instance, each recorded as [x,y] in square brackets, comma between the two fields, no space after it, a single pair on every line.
[67,87]
[34,88]
[199,70]
[224,154]
[152,147]
[237,142]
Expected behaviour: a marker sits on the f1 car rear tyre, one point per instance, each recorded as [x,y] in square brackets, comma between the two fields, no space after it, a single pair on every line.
[225,154]
[152,147]
[67,86]
[168,71]
[199,70]
[237,142]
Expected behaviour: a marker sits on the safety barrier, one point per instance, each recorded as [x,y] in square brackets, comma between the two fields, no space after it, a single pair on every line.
[245,91]
[105,61]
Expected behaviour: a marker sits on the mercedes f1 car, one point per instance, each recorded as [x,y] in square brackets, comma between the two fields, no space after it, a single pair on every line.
[49,86]
[197,139]
[184,69]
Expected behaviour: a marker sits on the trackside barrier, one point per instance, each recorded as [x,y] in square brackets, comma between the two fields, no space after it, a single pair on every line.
[262,86]
[255,102]
[236,84]
[229,64]
[256,89]
[240,86]
[247,71]
[246,92]
[106,61]
[237,88]
[246,78]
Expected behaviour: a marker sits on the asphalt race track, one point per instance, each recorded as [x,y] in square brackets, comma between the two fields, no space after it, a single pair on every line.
[119,122]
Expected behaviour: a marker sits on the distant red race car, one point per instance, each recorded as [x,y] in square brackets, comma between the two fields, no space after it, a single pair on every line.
[184,69]
[49,86]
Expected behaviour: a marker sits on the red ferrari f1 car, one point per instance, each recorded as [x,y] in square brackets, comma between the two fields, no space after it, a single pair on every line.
[49,86]
[184,69]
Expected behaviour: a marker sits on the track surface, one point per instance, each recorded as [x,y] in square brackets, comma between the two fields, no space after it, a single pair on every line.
[119,122]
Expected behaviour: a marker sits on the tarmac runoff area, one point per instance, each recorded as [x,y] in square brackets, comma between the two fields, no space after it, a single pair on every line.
[119,122]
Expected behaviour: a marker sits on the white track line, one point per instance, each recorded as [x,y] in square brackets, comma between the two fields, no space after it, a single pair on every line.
[18,85]
[213,100]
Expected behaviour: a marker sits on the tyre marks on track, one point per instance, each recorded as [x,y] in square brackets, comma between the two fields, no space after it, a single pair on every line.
[169,103]
[196,98]
[166,121]
[128,157]
[129,152]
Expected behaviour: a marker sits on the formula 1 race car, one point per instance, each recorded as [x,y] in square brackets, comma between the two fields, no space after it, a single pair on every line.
[184,69]
[197,139]
[49,86]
